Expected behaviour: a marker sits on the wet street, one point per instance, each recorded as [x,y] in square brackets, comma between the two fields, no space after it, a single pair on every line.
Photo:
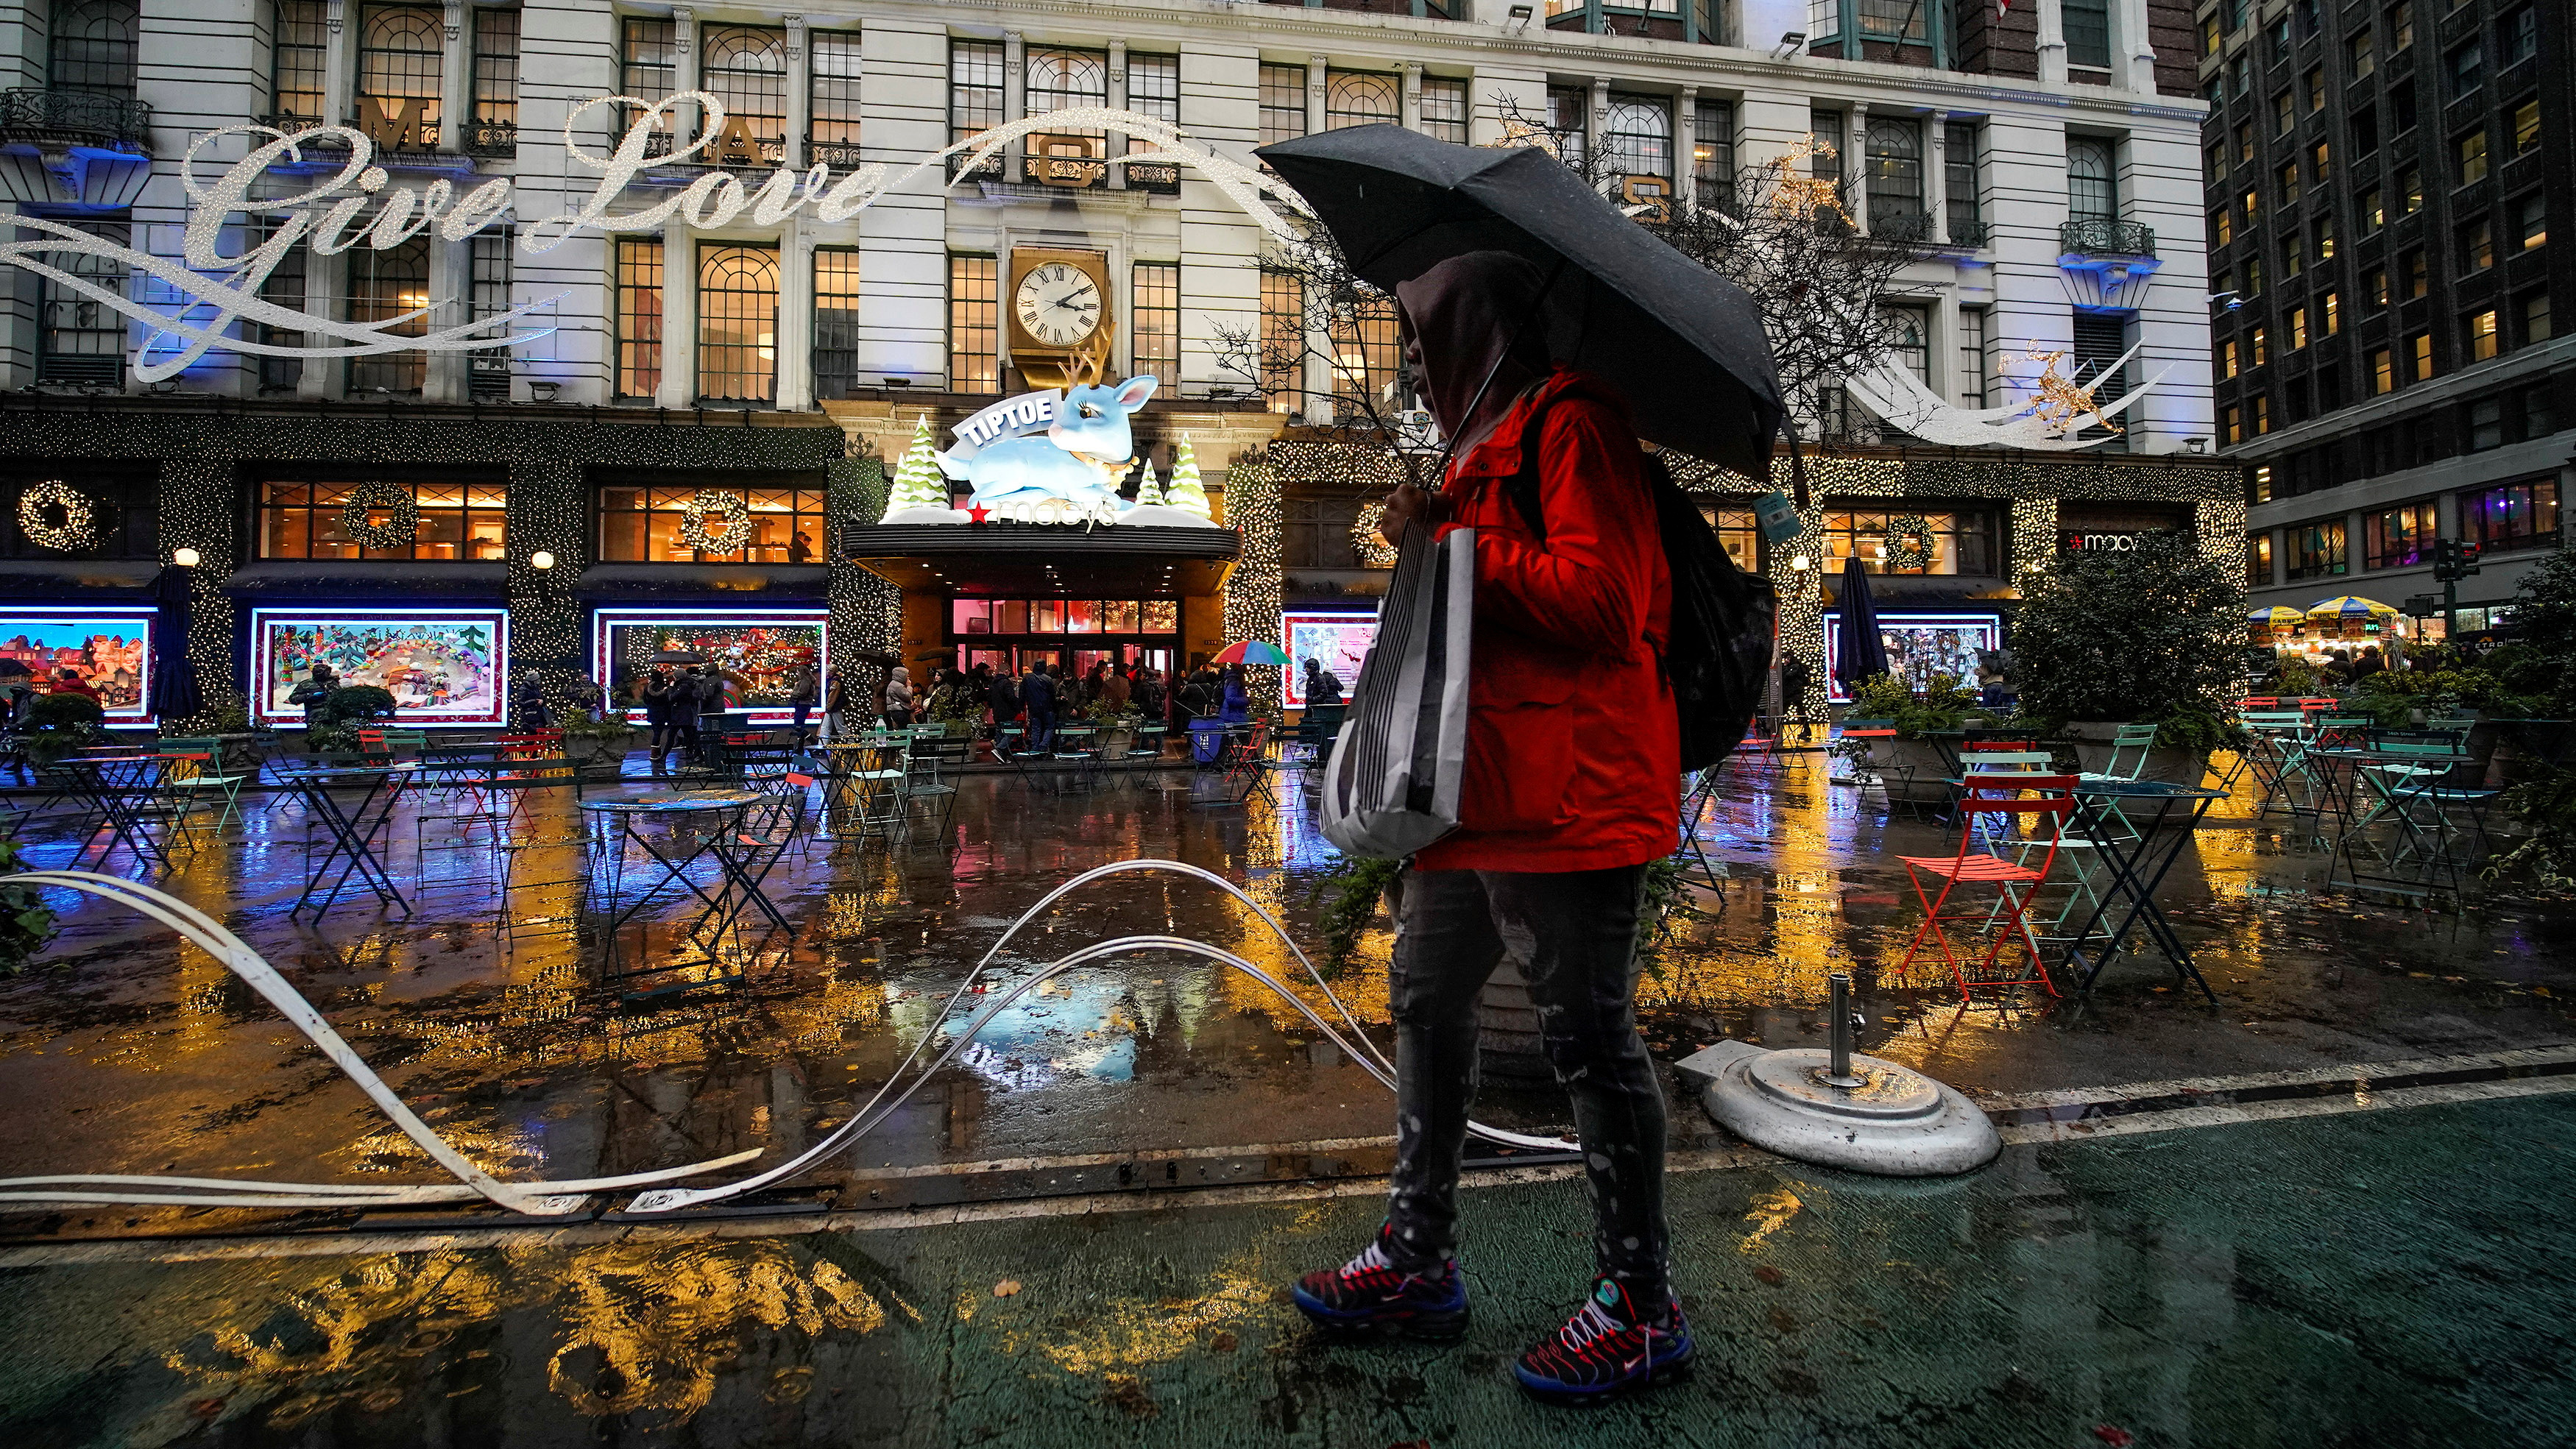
[2277,1251]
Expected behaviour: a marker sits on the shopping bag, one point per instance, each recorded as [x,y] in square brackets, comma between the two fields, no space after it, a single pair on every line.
[1391,783]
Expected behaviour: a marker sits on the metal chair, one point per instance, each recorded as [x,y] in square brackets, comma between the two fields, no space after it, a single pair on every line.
[2043,798]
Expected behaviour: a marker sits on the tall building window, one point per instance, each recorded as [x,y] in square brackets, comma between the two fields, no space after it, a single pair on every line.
[639,316]
[1637,136]
[284,287]
[648,69]
[384,285]
[1963,542]
[2530,220]
[974,91]
[487,261]
[1959,196]
[2262,413]
[1827,163]
[1365,351]
[642,525]
[496,68]
[1283,340]
[1154,86]
[1895,176]
[79,339]
[91,47]
[1569,122]
[2088,34]
[1444,108]
[2472,150]
[2422,347]
[1900,23]
[2468,69]
[1157,313]
[2535,317]
[2383,372]
[2258,346]
[2319,550]
[2100,340]
[2400,537]
[1283,103]
[2290,183]
[974,323]
[2231,424]
[303,42]
[2258,559]
[1975,374]
[2227,364]
[2298,328]
[2515,516]
[459,522]
[2477,246]
[2332,306]
[836,322]
[832,123]
[2482,339]
[402,60]
[2486,424]
[745,68]
[1360,98]
[1064,79]
[2519,36]
[737,322]
[2093,181]
[2359,57]
[1713,154]
[1909,338]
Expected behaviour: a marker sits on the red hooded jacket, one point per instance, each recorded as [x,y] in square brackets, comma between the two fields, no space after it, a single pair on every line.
[1573,758]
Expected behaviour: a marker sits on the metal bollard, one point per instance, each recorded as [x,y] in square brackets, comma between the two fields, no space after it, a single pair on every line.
[1838,1072]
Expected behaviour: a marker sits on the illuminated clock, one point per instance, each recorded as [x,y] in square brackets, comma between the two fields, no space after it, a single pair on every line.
[1058,305]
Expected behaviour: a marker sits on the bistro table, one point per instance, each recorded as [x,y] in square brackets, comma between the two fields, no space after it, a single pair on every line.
[353,830]
[2135,868]
[722,907]
[116,790]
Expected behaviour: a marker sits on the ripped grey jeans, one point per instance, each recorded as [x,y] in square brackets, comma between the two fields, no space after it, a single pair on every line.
[1574,934]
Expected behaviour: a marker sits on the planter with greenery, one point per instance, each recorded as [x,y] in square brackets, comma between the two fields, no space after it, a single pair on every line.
[2149,636]
[61,724]
[25,922]
[2541,796]
[1921,767]
[599,746]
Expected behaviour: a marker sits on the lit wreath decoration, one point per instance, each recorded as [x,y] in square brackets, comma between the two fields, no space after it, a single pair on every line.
[1910,543]
[401,510]
[1374,552]
[77,531]
[736,518]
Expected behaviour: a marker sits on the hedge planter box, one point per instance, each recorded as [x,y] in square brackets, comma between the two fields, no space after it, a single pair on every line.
[2172,764]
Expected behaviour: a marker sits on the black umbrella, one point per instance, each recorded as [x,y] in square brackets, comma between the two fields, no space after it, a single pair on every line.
[1684,345]
[1864,653]
[175,692]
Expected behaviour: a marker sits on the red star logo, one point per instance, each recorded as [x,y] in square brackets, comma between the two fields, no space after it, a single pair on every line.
[975,514]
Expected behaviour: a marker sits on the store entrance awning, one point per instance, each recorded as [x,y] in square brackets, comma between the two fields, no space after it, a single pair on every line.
[1004,559]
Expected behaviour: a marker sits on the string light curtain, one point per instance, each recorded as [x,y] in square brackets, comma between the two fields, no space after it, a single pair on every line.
[737,323]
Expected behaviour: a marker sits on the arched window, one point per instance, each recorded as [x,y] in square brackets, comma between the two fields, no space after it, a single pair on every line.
[2092,180]
[1359,98]
[1637,136]
[745,68]
[93,47]
[1895,174]
[402,58]
[737,322]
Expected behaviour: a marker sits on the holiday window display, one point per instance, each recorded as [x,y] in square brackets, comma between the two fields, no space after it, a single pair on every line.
[1921,647]
[109,650]
[1339,642]
[442,666]
[754,652]
[55,515]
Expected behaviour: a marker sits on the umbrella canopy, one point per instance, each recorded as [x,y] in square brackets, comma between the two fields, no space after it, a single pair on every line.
[175,691]
[1863,653]
[2350,606]
[1682,344]
[677,656]
[2279,616]
[1251,651]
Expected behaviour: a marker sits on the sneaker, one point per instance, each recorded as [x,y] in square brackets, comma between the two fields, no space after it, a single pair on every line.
[1607,1348]
[1370,1292]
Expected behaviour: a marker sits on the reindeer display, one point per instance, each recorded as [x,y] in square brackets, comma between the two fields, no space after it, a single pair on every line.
[1071,471]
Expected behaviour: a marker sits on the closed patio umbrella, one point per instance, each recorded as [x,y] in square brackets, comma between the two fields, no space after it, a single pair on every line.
[176,694]
[1863,653]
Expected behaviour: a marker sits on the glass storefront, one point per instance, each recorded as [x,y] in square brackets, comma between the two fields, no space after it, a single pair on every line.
[1069,634]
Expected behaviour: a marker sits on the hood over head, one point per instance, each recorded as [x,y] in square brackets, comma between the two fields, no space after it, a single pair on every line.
[1465,313]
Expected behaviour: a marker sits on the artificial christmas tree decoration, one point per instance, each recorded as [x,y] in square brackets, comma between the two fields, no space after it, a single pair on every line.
[1185,492]
[920,490]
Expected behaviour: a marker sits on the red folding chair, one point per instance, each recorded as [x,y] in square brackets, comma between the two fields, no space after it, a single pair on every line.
[2039,798]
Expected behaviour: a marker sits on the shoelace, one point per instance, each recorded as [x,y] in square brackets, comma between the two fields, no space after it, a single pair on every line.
[1590,1324]
[1370,1258]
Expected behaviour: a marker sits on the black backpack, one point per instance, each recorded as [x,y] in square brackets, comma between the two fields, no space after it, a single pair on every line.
[1723,621]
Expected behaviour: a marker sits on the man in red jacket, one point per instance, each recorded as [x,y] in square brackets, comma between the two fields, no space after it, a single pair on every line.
[1572,755]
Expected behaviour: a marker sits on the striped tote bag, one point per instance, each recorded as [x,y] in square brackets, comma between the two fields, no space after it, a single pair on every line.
[1391,783]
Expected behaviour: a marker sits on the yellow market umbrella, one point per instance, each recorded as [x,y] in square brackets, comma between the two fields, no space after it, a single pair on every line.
[2279,616]
[2350,606]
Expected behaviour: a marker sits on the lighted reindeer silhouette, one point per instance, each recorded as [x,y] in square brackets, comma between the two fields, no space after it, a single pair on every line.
[1071,471]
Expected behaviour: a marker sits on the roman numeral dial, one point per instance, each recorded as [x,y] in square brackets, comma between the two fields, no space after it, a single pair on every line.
[1057,304]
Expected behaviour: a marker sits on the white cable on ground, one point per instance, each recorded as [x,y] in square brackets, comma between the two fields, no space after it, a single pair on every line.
[535,1198]
[879,1107]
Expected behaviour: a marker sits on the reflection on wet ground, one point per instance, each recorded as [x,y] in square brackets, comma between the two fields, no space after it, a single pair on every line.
[2391,1278]
[127,1052]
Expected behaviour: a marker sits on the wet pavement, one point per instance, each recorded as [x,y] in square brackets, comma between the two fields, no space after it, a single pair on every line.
[545,1046]
[2393,1278]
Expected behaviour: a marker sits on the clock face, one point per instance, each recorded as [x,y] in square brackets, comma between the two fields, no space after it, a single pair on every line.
[1058,304]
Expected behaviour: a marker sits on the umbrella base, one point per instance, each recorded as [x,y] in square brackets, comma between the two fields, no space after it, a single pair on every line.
[1895,1122]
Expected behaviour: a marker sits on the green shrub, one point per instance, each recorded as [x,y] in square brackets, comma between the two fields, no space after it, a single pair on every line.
[360,702]
[2151,635]
[64,711]
[25,923]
